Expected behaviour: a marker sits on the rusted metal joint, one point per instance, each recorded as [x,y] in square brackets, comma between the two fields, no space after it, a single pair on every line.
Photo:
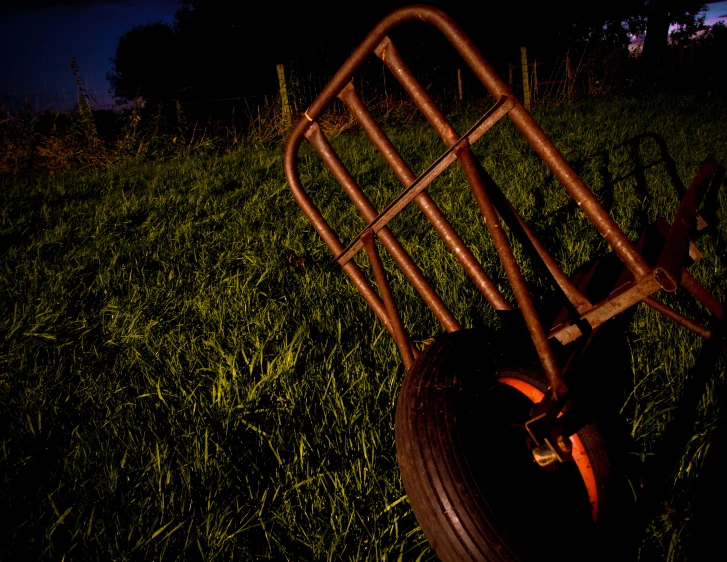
[552,421]
[553,451]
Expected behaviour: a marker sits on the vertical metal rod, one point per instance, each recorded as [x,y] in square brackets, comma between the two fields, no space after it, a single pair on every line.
[402,259]
[514,276]
[446,231]
[576,297]
[402,341]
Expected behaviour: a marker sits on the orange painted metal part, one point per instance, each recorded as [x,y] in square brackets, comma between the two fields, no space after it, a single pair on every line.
[580,457]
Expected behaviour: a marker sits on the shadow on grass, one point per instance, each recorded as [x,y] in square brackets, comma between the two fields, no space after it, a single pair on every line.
[710,490]
[640,164]
[602,375]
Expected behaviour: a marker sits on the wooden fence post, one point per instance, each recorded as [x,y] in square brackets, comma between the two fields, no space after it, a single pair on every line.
[526,81]
[284,96]
[569,79]
[590,76]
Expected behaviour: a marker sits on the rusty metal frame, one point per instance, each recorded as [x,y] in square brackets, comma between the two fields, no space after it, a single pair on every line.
[639,283]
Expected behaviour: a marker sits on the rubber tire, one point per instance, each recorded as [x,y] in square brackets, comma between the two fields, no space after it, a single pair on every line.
[466,467]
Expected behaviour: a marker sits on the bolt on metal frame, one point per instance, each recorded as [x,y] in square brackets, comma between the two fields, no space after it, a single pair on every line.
[639,283]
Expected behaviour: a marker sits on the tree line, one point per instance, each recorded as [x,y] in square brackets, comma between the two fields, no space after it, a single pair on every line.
[214,45]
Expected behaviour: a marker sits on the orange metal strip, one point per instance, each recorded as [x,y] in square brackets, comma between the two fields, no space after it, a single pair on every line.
[580,456]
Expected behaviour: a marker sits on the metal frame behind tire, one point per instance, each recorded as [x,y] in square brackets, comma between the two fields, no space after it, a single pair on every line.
[465,464]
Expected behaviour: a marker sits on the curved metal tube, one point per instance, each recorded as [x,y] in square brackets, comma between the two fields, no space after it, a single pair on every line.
[542,145]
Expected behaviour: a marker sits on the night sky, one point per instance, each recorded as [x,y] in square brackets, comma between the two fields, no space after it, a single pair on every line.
[38,43]
[38,37]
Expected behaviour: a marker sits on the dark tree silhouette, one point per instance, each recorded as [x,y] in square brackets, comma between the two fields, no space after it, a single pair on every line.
[652,19]
[146,64]
[218,49]
[216,45]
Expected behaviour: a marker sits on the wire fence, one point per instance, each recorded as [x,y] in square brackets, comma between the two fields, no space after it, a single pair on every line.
[557,81]
[548,83]
[302,89]
[61,102]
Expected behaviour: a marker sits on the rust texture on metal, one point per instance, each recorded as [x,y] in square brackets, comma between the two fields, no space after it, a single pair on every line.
[440,223]
[517,225]
[678,318]
[417,185]
[684,225]
[696,289]
[514,276]
[619,300]
[402,259]
[637,283]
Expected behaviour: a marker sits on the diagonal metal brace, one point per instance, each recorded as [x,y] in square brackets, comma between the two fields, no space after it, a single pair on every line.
[499,110]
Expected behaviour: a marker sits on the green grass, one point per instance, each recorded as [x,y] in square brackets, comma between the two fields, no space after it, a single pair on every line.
[185,374]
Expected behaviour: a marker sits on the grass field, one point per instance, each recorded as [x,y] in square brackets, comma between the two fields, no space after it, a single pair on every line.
[186,374]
